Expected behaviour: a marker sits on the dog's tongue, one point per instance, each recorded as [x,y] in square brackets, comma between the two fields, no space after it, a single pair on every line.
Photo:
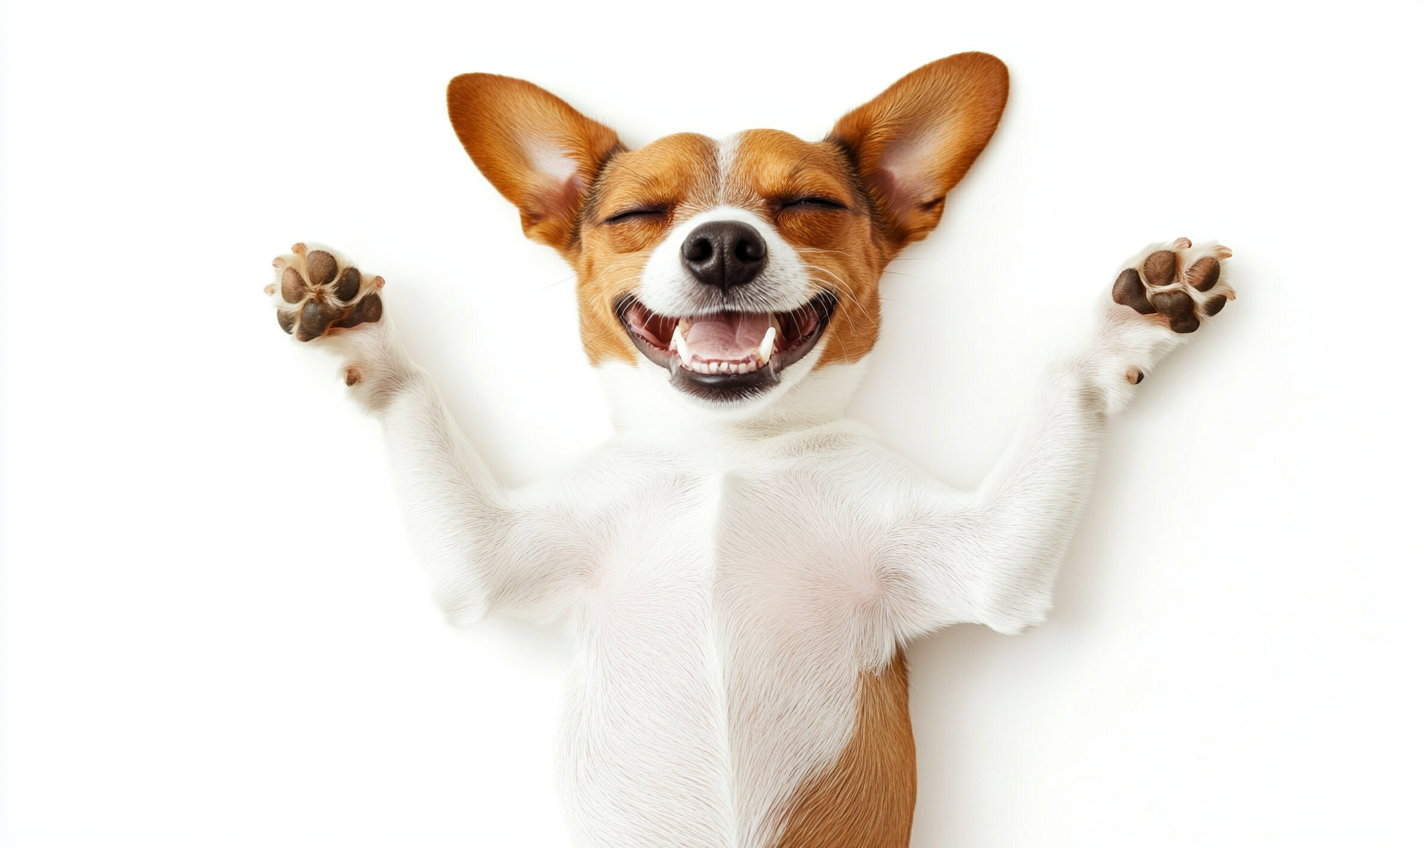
[729,336]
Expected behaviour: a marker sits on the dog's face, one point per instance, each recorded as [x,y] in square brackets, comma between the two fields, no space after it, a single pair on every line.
[736,267]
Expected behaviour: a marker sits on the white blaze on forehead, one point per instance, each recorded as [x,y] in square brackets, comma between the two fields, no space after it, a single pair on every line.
[727,151]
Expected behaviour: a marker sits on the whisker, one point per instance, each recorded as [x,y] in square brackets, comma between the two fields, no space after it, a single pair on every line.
[557,282]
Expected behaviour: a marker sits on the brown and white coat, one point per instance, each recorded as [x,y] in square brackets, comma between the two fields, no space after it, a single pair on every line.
[740,568]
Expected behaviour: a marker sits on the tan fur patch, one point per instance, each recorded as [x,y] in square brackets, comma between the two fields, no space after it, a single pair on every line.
[677,176]
[681,176]
[772,171]
[866,799]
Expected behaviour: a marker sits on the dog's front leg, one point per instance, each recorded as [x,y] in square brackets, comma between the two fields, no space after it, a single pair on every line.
[991,556]
[485,549]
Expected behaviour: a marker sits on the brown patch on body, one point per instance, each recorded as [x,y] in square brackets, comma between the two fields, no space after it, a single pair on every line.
[866,799]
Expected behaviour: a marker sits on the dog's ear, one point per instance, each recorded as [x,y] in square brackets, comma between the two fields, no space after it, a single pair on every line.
[539,152]
[918,138]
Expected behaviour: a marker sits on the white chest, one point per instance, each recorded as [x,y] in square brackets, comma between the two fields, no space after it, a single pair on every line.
[719,641]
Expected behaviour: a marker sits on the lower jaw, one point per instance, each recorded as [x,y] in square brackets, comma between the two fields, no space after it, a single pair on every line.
[725,387]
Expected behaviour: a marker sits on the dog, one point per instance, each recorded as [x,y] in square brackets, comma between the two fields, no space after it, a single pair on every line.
[740,568]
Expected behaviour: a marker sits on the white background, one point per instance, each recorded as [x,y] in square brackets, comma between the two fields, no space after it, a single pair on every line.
[211,632]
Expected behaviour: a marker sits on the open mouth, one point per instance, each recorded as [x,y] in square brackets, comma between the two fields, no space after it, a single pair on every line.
[727,355]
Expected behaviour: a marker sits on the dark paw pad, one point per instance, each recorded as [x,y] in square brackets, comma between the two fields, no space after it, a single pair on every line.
[1160,268]
[318,294]
[1179,309]
[1129,291]
[1159,285]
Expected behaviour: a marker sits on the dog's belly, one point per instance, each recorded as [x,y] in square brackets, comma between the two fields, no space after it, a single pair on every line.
[644,739]
[724,649]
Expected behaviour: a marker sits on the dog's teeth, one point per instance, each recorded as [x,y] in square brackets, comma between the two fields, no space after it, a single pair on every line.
[768,342]
[685,324]
[679,344]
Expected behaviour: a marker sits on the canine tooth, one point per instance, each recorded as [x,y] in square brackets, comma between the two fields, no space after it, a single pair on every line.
[679,344]
[685,324]
[767,343]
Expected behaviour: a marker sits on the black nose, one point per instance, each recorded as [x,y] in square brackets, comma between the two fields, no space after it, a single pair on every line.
[724,253]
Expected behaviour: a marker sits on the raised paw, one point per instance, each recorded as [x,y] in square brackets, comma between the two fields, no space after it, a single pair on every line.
[317,291]
[1178,284]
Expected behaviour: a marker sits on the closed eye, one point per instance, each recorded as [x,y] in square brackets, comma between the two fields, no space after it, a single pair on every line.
[637,212]
[812,201]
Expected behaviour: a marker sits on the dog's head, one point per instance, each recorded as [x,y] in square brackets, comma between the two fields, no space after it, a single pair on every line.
[730,270]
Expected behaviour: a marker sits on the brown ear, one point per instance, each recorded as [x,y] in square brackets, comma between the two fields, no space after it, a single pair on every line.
[919,137]
[539,152]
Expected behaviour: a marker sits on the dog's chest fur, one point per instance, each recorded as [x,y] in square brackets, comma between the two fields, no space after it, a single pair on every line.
[726,629]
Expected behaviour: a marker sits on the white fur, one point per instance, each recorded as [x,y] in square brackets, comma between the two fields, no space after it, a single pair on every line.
[726,575]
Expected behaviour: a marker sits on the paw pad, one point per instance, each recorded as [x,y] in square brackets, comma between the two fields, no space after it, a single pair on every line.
[318,293]
[1180,283]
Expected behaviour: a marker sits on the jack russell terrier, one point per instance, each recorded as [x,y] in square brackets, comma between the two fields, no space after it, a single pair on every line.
[740,568]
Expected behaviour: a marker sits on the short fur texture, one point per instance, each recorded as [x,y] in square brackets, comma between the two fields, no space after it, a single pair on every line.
[740,567]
